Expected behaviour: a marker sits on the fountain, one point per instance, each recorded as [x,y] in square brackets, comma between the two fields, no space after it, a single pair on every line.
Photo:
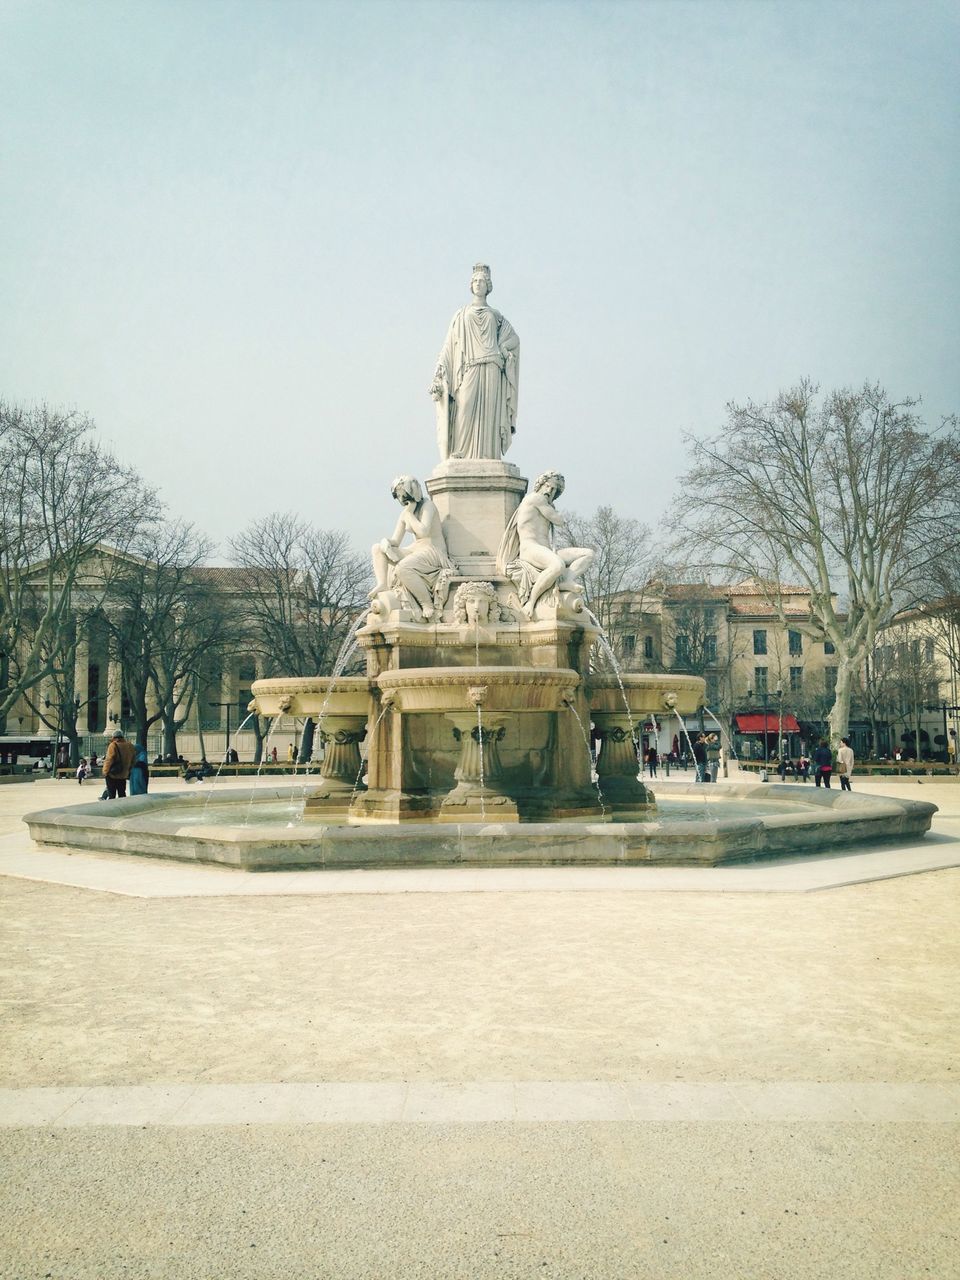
[478,693]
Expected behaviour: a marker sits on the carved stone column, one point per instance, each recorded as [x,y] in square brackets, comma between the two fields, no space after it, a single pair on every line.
[341,737]
[617,764]
[481,791]
[114,688]
[479,764]
[81,673]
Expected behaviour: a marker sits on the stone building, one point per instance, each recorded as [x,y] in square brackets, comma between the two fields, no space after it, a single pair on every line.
[762,677]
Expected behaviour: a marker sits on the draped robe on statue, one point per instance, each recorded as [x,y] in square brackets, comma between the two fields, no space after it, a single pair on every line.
[477,377]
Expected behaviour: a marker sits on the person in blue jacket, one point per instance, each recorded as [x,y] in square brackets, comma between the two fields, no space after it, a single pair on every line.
[140,773]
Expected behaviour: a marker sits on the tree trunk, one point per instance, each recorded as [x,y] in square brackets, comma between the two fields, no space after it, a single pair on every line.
[169,736]
[306,742]
[840,711]
[258,735]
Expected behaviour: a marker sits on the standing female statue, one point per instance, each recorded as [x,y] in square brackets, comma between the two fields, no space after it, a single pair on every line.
[475,385]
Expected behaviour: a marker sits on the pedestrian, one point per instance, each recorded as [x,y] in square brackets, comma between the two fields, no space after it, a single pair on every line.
[290,753]
[700,757]
[782,769]
[823,764]
[653,758]
[803,765]
[117,764]
[140,773]
[845,763]
[81,770]
[273,755]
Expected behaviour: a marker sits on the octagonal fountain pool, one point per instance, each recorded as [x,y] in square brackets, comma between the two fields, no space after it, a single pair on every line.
[262,829]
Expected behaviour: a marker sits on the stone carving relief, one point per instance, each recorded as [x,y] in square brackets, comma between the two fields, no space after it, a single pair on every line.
[416,575]
[476,603]
[527,555]
[475,383]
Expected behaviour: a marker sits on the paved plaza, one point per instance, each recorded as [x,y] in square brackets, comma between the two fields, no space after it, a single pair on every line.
[560,1072]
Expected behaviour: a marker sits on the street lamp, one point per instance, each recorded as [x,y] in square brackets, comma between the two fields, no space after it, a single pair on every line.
[228,705]
[942,707]
[763,695]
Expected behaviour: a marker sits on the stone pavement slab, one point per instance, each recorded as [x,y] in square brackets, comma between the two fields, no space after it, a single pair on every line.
[423,1201]
[480,1102]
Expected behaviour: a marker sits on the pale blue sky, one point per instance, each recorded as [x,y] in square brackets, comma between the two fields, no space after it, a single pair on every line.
[235,233]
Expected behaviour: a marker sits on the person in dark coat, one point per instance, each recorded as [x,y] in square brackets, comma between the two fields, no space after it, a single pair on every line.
[823,764]
[700,756]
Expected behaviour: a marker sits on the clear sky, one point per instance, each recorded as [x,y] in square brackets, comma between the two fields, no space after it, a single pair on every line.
[235,232]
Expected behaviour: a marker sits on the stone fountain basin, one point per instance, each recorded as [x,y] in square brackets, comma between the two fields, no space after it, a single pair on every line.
[311,695]
[785,823]
[646,693]
[493,689]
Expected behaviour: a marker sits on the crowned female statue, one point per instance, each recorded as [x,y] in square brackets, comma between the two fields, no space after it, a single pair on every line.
[475,385]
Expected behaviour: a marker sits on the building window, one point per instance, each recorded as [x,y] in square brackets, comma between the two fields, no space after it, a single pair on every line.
[928,649]
[247,672]
[796,679]
[830,679]
[682,650]
[933,691]
[828,647]
[648,646]
[629,646]
[713,689]
[760,642]
[796,643]
[760,678]
[710,650]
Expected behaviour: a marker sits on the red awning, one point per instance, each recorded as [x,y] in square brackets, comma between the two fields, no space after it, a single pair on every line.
[753,723]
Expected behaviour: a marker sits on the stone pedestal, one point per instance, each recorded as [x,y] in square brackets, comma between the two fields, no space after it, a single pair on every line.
[481,792]
[341,767]
[476,498]
[617,764]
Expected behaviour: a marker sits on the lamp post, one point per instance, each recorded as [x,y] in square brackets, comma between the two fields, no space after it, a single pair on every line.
[763,695]
[943,708]
[228,705]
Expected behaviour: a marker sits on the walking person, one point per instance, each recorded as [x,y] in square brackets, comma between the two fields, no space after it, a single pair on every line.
[117,764]
[653,758]
[823,763]
[700,757]
[140,773]
[845,763]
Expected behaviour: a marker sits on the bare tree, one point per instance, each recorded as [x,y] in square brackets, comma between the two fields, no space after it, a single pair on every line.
[615,583]
[165,621]
[61,496]
[303,588]
[903,676]
[841,494]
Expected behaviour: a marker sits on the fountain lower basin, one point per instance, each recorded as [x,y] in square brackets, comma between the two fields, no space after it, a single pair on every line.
[780,823]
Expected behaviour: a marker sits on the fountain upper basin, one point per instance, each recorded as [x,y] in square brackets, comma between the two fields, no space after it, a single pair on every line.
[311,696]
[645,693]
[492,689]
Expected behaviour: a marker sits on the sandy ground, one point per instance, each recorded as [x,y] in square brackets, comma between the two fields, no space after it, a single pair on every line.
[855,984]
